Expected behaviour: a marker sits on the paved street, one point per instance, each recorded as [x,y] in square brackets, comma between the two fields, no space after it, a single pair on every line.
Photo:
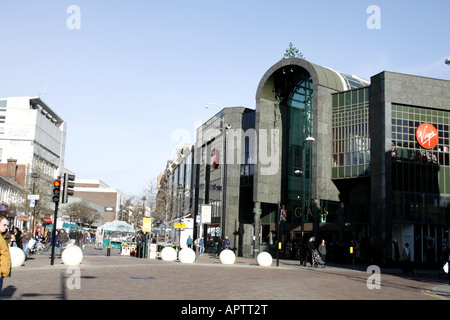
[116,277]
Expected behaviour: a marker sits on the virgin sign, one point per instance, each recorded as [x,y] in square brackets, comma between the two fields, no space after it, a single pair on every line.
[427,135]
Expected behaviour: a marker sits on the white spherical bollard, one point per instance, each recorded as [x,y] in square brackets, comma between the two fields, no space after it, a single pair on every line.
[186,255]
[227,257]
[17,256]
[168,254]
[72,256]
[264,259]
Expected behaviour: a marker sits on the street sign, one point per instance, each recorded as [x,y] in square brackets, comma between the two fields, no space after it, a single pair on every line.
[33,197]
[179,225]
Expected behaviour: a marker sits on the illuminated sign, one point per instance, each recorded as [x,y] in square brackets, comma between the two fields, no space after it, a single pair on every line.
[427,135]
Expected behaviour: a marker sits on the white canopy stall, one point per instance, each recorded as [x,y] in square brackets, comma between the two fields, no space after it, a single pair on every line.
[114,233]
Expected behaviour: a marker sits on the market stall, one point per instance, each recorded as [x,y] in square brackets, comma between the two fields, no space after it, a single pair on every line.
[114,234]
[67,226]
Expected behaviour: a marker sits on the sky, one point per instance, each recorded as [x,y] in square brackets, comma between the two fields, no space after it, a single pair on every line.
[132,78]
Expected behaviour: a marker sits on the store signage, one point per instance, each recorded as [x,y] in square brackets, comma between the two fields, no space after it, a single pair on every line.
[215,158]
[206,213]
[147,224]
[179,225]
[427,135]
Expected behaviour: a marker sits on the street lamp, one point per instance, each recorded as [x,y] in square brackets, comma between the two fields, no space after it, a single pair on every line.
[308,139]
[447,61]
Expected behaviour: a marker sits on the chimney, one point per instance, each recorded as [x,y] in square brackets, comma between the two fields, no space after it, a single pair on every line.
[11,170]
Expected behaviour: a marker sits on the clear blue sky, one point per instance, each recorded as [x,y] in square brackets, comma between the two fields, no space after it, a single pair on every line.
[134,79]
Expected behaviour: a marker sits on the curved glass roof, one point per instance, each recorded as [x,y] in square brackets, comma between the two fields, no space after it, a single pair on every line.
[350,81]
[354,82]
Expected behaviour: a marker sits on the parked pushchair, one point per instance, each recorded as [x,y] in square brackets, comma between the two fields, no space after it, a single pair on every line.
[316,259]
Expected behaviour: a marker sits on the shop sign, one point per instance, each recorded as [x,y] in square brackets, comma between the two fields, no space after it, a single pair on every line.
[147,224]
[427,135]
[179,225]
[48,218]
[215,158]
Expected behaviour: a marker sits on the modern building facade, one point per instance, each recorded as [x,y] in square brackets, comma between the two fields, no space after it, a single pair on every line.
[349,160]
[33,136]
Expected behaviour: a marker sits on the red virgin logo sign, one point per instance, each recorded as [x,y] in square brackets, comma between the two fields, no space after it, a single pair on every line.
[427,136]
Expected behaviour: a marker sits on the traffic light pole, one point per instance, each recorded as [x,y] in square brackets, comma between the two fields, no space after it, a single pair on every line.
[53,239]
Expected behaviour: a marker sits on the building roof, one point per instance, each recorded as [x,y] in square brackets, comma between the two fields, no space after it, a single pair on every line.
[323,76]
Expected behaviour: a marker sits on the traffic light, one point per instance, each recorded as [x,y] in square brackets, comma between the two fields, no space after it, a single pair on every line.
[56,190]
[68,186]
[283,214]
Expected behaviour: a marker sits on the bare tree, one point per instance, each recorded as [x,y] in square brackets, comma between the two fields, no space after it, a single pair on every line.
[81,212]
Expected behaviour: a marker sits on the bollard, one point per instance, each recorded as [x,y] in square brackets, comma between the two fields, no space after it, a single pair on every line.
[353,257]
[108,251]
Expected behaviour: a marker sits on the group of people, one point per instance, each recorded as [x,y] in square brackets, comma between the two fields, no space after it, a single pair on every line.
[200,243]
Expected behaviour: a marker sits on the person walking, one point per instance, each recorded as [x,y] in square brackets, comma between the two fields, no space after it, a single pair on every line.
[189,242]
[396,251]
[5,256]
[226,243]
[26,237]
[309,251]
[18,237]
[323,251]
[406,260]
[201,244]
[62,240]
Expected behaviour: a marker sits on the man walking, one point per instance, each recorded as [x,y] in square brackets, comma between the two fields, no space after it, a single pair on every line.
[406,260]
[189,242]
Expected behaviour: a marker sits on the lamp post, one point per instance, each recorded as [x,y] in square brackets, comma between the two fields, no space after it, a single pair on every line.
[447,61]
[298,172]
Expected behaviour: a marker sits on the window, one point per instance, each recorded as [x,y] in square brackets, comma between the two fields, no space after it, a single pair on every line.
[350,134]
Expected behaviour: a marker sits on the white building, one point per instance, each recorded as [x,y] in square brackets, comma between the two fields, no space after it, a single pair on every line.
[32,133]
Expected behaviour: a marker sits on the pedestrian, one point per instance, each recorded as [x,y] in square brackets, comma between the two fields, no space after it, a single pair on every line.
[80,239]
[189,242]
[226,243]
[406,260]
[54,242]
[396,251]
[323,251]
[309,251]
[357,251]
[62,240]
[26,237]
[196,244]
[5,256]
[18,237]
[8,238]
[201,244]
